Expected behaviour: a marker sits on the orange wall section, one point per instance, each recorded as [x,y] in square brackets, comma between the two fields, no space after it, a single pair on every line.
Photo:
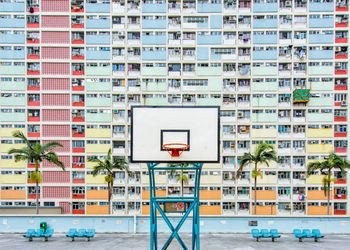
[265,195]
[210,194]
[159,193]
[210,210]
[13,194]
[318,210]
[97,194]
[95,209]
[317,195]
[264,210]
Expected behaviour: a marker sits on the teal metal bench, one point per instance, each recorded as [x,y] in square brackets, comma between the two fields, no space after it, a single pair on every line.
[29,234]
[265,234]
[48,234]
[306,233]
[81,233]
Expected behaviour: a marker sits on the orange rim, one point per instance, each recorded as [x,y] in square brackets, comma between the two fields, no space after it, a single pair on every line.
[175,149]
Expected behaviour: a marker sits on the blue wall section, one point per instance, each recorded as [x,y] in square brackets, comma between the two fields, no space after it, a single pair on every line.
[216,22]
[12,38]
[321,7]
[154,8]
[202,53]
[125,224]
[265,7]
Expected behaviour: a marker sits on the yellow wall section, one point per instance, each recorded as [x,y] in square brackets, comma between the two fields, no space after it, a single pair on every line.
[317,195]
[315,179]
[264,133]
[98,179]
[97,194]
[6,147]
[10,163]
[320,133]
[98,133]
[210,179]
[267,179]
[13,179]
[95,209]
[160,179]
[319,148]
[97,148]
[7,132]
[13,194]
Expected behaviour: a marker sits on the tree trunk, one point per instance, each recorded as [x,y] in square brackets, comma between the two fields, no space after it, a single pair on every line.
[110,191]
[256,172]
[37,187]
[328,193]
[37,197]
[255,195]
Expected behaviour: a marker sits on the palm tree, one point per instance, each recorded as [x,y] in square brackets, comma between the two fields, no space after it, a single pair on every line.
[183,179]
[326,166]
[263,154]
[35,152]
[109,164]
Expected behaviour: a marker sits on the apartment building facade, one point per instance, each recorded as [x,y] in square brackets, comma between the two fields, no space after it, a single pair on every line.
[71,70]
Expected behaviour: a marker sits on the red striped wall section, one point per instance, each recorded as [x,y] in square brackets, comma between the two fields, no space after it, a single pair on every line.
[65,207]
[56,69]
[56,130]
[55,21]
[56,84]
[56,100]
[55,53]
[65,144]
[56,176]
[65,159]
[56,115]
[55,5]
[61,37]
[56,192]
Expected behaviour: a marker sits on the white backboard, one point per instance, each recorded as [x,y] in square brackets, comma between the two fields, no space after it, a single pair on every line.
[151,127]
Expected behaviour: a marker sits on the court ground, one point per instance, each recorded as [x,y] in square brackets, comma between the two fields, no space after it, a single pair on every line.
[141,242]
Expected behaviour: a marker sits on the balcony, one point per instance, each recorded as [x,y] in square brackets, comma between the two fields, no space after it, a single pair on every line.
[12,23]
[153,24]
[98,39]
[321,23]
[264,39]
[321,7]
[265,55]
[264,71]
[320,133]
[97,194]
[265,194]
[319,148]
[154,7]
[98,24]
[209,39]
[321,38]
[97,7]
[209,7]
[318,210]
[11,7]
[321,54]
[98,55]
[265,7]
[321,70]
[265,23]
[98,117]
[98,133]
[98,71]
[154,40]
[12,39]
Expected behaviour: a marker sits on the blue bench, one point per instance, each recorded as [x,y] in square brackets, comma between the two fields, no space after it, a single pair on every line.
[264,233]
[39,233]
[306,233]
[81,233]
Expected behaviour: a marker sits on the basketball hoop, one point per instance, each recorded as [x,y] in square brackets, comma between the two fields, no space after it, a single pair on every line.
[175,149]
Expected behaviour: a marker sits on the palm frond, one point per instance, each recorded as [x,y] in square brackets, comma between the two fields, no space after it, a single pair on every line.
[50,146]
[313,166]
[98,169]
[52,157]
[20,135]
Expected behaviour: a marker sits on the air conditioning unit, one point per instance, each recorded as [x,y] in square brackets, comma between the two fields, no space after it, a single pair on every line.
[302,177]
[240,114]
[288,3]
[343,103]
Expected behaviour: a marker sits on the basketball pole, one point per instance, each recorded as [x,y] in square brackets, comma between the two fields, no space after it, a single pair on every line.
[156,203]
